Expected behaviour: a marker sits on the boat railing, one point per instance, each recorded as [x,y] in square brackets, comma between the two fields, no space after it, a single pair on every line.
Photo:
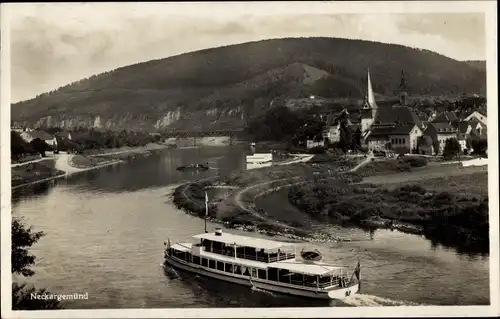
[265,259]
[314,284]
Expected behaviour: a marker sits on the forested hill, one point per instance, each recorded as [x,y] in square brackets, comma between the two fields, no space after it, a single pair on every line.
[213,88]
[478,64]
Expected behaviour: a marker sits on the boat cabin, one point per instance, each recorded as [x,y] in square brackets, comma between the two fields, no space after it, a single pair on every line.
[249,248]
[260,259]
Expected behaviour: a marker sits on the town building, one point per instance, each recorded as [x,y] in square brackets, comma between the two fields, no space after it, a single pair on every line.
[389,125]
[439,132]
[29,136]
[64,135]
[479,115]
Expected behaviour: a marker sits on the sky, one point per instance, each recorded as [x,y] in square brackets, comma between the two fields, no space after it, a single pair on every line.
[55,44]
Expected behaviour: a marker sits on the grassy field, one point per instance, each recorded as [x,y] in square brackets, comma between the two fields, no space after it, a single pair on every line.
[81,161]
[33,172]
[447,204]
[465,184]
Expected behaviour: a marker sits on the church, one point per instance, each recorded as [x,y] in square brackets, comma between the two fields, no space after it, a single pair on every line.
[388,125]
[384,125]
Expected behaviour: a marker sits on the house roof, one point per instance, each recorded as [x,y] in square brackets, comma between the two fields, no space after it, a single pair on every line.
[381,131]
[442,127]
[63,134]
[402,129]
[480,110]
[397,114]
[461,127]
[446,117]
[40,134]
[423,117]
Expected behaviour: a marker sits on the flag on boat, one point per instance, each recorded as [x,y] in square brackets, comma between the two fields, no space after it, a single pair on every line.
[357,270]
[206,204]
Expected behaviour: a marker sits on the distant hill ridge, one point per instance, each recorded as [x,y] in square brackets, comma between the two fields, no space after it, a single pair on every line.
[478,64]
[217,88]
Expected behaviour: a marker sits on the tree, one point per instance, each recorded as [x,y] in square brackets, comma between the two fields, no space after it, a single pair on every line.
[451,148]
[345,141]
[436,146]
[356,140]
[40,146]
[21,260]
[18,146]
[480,146]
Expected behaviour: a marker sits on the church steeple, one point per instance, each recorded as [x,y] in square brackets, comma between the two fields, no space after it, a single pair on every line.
[369,100]
[403,91]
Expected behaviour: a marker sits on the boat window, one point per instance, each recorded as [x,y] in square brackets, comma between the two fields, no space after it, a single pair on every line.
[245,271]
[324,281]
[229,268]
[188,257]
[206,244]
[204,262]
[196,260]
[237,270]
[262,274]
[179,254]
[211,263]
[284,275]
[297,279]
[217,247]
[220,265]
[310,281]
[272,274]
[254,272]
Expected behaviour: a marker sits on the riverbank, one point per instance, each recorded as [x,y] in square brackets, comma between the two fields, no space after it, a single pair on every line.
[65,164]
[33,173]
[235,207]
[405,194]
[448,206]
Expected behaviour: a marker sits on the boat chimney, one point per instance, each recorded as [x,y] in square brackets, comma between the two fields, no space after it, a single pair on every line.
[218,232]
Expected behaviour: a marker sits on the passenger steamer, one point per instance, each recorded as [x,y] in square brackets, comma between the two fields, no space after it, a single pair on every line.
[263,264]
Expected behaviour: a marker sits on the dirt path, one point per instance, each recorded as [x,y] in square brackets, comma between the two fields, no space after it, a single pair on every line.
[241,205]
[63,164]
[238,195]
[33,161]
[363,163]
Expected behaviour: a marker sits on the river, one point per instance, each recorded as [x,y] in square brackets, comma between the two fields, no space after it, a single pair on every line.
[105,231]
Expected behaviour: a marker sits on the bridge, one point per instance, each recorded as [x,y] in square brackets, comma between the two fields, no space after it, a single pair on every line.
[208,133]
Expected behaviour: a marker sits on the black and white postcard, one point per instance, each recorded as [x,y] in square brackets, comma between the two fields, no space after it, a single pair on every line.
[249,159]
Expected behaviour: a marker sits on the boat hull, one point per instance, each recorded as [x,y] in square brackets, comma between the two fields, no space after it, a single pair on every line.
[261,284]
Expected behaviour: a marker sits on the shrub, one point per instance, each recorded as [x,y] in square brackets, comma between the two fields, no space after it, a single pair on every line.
[415,161]
[317,150]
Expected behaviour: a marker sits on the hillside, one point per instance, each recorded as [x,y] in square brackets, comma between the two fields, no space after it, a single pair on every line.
[214,88]
[478,64]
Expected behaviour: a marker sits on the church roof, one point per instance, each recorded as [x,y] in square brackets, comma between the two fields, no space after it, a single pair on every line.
[397,114]
[402,84]
[381,131]
[403,129]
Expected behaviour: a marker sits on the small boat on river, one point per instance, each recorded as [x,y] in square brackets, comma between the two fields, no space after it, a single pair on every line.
[264,264]
[203,167]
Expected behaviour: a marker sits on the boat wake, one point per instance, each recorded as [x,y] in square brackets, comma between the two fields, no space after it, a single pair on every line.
[171,272]
[361,300]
